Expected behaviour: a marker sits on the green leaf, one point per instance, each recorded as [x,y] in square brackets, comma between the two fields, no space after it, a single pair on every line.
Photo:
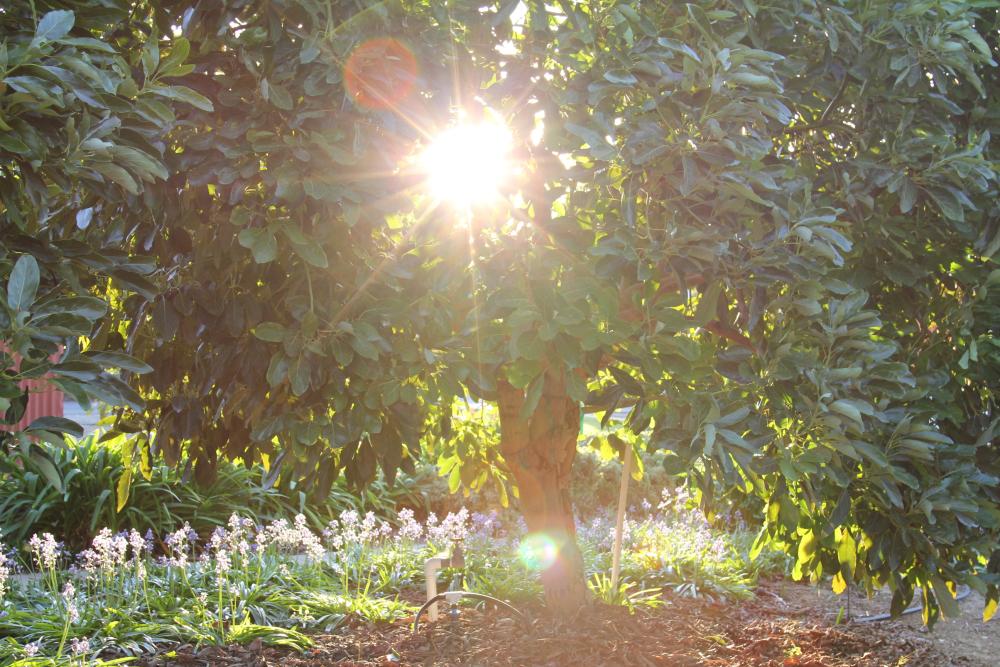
[23,283]
[279,97]
[272,332]
[707,305]
[364,348]
[710,433]
[277,370]
[56,425]
[117,175]
[54,25]
[947,602]
[734,417]
[141,164]
[112,360]
[240,216]
[88,43]
[847,409]
[599,146]
[948,203]
[44,465]
[89,307]
[13,143]
[312,253]
[261,243]
[907,195]
[180,48]
[186,95]
[621,77]
[757,81]
[135,282]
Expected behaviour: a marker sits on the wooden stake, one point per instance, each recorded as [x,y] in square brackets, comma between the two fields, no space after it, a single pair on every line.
[616,557]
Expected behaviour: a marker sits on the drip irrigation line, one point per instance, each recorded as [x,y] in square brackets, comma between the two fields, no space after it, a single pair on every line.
[963,592]
[465,594]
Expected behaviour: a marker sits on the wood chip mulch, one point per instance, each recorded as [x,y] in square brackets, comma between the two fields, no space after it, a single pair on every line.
[682,633]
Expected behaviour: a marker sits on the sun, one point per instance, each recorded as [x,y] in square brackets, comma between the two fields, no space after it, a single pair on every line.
[469,164]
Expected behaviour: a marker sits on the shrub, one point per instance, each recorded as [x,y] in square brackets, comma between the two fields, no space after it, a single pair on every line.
[163,499]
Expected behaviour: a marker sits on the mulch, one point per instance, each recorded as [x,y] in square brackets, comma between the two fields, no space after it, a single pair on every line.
[682,633]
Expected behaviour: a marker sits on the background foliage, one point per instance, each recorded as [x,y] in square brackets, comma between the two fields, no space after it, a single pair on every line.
[770,228]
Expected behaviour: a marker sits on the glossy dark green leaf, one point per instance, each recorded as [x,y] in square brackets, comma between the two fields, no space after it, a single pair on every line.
[22,285]
[54,25]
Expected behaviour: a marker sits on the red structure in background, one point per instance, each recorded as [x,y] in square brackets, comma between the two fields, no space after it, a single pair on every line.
[44,400]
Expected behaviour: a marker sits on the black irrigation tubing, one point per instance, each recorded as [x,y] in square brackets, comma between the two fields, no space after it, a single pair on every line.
[964,592]
[466,594]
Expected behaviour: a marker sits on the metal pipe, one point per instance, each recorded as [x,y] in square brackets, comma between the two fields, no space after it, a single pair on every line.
[431,567]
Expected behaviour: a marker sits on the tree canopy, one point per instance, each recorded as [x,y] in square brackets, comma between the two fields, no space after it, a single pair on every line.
[768,228]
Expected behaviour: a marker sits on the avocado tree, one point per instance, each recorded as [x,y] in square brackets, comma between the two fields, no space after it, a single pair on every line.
[767,228]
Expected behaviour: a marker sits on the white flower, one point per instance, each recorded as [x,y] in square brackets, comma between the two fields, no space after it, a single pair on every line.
[222,565]
[179,543]
[107,552]
[294,539]
[80,646]
[45,550]
[69,599]
[138,544]
[454,527]
[31,649]
[409,528]
[4,571]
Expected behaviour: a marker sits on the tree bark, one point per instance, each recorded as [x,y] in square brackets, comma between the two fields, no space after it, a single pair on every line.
[539,451]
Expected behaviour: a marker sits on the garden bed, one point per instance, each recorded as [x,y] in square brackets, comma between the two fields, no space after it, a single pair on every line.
[765,631]
[281,594]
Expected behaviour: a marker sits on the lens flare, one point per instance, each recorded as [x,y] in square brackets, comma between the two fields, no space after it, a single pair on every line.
[538,552]
[380,73]
[469,164]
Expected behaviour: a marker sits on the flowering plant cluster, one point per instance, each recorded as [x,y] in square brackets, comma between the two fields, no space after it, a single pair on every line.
[273,580]
[4,571]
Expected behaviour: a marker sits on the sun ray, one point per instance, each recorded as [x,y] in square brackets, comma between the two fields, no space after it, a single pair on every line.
[381,267]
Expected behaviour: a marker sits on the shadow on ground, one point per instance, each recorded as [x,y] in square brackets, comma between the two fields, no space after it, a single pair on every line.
[785,625]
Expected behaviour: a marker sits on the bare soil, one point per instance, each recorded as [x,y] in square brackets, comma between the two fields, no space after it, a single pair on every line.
[785,625]
[965,640]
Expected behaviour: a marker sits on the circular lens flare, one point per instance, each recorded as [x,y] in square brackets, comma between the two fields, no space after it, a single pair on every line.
[538,552]
[469,164]
[380,73]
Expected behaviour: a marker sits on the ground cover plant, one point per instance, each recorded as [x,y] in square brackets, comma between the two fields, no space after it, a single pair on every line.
[130,595]
[267,232]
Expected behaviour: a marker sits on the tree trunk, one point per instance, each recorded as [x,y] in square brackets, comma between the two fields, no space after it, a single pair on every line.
[539,451]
